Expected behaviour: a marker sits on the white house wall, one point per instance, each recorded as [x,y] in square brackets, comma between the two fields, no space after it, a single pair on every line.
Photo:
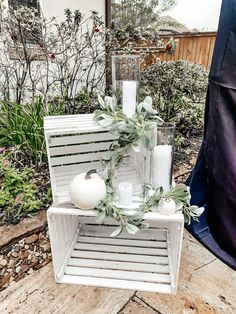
[56,8]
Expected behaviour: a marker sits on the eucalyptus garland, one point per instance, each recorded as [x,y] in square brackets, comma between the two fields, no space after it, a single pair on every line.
[130,132]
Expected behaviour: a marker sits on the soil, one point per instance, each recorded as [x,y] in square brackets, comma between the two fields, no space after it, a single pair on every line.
[185,159]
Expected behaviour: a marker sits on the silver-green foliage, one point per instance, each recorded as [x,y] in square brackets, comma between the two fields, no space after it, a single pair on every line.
[130,131]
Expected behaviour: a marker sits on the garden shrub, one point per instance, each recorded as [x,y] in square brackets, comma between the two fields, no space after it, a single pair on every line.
[19,193]
[178,89]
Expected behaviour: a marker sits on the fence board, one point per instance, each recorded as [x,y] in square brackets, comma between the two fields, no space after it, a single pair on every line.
[193,47]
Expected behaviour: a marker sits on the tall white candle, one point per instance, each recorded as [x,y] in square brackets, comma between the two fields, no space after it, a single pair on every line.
[125,193]
[162,160]
[129,97]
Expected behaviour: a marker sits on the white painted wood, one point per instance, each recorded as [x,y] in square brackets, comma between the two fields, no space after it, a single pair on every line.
[81,138]
[117,274]
[175,243]
[81,148]
[68,170]
[155,216]
[124,242]
[68,254]
[119,284]
[106,231]
[143,267]
[163,260]
[120,249]
[79,158]
[86,254]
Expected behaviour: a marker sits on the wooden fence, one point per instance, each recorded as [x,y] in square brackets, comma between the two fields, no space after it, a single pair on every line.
[194,47]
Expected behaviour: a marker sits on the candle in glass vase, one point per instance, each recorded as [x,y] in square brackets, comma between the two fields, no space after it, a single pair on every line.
[129,97]
[162,163]
[125,193]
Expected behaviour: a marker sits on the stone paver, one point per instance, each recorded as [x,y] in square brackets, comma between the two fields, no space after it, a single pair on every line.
[206,285]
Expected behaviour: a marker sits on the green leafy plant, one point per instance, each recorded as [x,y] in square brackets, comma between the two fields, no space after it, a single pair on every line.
[22,125]
[179,91]
[18,192]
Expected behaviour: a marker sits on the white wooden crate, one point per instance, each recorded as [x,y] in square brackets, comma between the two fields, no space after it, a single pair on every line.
[83,251]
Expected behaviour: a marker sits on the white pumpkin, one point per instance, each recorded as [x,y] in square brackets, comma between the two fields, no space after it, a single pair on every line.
[87,190]
[167,206]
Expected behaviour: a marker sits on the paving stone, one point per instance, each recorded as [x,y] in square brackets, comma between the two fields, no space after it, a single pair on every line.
[203,279]
[136,306]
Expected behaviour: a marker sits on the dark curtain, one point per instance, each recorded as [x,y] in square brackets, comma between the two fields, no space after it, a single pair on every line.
[213,180]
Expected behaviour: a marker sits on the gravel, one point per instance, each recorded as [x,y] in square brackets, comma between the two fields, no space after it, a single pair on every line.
[23,258]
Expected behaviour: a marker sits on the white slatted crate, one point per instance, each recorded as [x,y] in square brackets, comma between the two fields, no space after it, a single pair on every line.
[83,251]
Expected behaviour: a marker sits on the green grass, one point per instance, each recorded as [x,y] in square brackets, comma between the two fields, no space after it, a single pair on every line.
[22,125]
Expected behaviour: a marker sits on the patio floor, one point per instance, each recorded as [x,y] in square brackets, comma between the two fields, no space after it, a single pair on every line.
[206,285]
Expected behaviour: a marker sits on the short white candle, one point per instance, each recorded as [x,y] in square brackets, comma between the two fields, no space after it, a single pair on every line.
[162,160]
[129,97]
[125,193]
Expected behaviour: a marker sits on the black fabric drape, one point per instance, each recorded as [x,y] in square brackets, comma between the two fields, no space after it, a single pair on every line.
[213,180]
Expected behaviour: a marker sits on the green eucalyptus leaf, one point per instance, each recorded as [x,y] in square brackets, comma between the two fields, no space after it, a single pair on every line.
[148,99]
[101,217]
[132,229]
[147,142]
[109,102]
[117,231]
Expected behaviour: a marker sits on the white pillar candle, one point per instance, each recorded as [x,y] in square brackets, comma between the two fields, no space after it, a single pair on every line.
[162,160]
[125,193]
[129,97]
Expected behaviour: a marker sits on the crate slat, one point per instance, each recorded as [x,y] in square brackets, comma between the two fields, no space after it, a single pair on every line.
[117,274]
[163,260]
[105,231]
[80,158]
[120,249]
[82,148]
[81,138]
[64,170]
[125,242]
[143,267]
[118,284]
